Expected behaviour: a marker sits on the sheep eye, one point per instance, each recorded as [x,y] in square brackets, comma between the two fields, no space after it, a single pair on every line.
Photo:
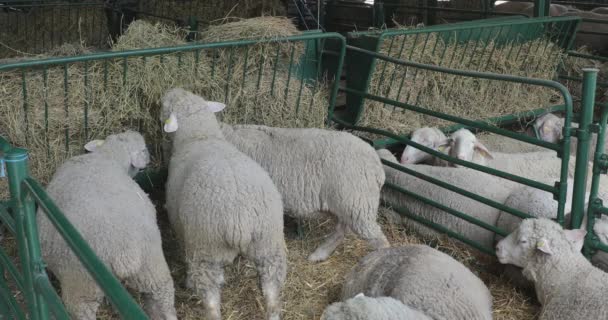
[523,241]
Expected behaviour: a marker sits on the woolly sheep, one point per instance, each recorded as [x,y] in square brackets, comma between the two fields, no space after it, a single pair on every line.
[539,204]
[471,180]
[435,139]
[366,308]
[422,278]
[532,165]
[118,221]
[428,137]
[220,203]
[600,227]
[567,285]
[551,130]
[319,171]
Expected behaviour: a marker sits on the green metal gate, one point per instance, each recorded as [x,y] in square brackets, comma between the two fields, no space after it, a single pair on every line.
[392,50]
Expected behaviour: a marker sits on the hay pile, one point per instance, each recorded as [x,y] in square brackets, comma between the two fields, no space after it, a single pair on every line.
[466,97]
[311,287]
[114,101]
[35,30]
[573,67]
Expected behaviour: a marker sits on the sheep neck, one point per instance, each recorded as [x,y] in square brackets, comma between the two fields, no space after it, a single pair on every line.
[551,273]
[197,127]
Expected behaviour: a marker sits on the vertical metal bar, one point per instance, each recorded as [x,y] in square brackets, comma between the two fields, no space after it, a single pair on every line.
[274,72]
[582,152]
[25,105]
[229,75]
[87,94]
[17,171]
[45,81]
[288,73]
[597,159]
[336,85]
[245,67]
[66,108]
[262,61]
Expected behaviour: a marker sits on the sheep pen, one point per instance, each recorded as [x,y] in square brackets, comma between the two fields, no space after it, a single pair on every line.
[54,111]
[466,97]
[51,124]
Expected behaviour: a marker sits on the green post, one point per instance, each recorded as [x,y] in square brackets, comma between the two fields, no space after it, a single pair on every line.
[540,8]
[582,152]
[23,210]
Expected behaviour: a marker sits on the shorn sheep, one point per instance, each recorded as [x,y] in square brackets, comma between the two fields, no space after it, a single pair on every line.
[567,285]
[117,219]
[220,203]
[316,171]
[424,279]
[367,308]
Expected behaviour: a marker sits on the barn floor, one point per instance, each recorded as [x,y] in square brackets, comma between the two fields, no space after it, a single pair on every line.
[310,287]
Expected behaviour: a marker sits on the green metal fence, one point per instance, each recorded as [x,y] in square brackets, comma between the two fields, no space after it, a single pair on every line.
[34,27]
[59,104]
[481,38]
[377,55]
[558,190]
[18,215]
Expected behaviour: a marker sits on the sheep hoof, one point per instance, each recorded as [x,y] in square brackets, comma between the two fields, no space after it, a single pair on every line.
[318,256]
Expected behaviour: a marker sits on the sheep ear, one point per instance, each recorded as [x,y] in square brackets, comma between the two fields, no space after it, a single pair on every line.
[171,124]
[544,246]
[139,160]
[215,106]
[92,146]
[359,295]
[444,144]
[576,237]
[483,150]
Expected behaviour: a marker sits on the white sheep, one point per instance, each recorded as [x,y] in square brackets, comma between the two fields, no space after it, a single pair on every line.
[482,184]
[429,137]
[220,203]
[600,228]
[116,218]
[422,278]
[367,308]
[537,203]
[550,129]
[567,285]
[532,165]
[316,171]
[463,145]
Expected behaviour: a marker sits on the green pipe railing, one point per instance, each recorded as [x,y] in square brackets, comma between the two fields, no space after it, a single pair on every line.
[563,148]
[583,137]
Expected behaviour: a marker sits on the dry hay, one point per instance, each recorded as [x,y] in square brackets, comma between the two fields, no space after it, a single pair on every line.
[311,287]
[466,97]
[573,67]
[214,12]
[37,29]
[255,94]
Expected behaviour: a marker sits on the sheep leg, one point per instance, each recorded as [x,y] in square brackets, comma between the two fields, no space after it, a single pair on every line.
[365,226]
[272,270]
[206,278]
[329,245]
[81,295]
[156,285]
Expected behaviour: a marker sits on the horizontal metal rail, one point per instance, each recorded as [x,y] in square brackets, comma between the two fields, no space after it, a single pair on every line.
[163,50]
[406,213]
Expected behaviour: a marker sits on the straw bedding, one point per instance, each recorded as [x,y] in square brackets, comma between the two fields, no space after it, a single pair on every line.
[310,287]
[573,67]
[105,97]
[471,98]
